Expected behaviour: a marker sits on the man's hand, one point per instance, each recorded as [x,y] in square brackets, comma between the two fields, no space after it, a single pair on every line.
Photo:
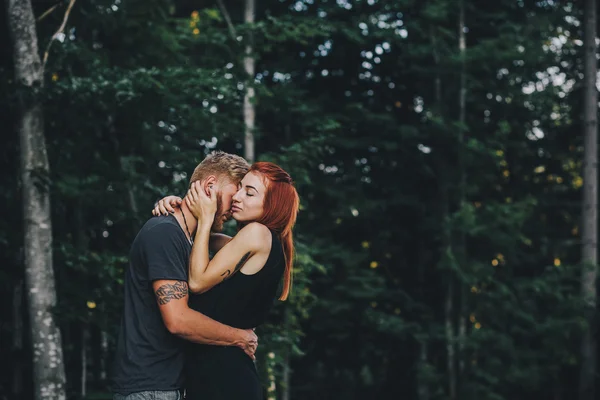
[172,297]
[166,205]
[248,342]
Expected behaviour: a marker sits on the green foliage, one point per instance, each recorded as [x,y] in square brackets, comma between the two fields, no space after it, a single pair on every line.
[401,201]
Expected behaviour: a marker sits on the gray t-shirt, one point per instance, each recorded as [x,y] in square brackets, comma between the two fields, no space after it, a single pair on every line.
[148,356]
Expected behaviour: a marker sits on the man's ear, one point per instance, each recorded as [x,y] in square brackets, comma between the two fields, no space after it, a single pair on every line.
[209,182]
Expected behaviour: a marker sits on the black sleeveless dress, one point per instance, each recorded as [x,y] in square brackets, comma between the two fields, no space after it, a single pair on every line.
[242,301]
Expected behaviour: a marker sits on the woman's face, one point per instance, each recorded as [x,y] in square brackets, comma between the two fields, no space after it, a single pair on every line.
[248,201]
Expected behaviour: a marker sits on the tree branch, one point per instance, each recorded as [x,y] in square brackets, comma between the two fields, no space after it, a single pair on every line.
[59,31]
[48,11]
[228,20]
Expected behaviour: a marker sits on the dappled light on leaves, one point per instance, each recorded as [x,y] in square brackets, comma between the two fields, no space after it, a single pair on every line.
[557,262]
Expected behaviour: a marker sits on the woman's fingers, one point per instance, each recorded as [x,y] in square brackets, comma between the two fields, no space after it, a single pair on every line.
[156,211]
[213,193]
[169,206]
[198,200]
[166,205]
[164,209]
[201,193]
[194,191]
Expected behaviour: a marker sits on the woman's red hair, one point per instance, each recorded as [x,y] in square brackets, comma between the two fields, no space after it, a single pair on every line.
[279,212]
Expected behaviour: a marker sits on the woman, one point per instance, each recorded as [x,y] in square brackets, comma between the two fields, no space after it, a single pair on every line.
[243,276]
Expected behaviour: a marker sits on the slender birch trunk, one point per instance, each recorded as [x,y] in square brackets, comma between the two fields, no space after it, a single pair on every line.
[48,368]
[590,205]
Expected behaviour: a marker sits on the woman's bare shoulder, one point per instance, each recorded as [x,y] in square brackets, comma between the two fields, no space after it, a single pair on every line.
[256,235]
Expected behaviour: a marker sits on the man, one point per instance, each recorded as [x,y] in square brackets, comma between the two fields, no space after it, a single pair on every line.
[149,359]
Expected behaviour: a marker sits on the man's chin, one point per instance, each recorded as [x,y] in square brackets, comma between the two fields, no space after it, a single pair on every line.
[217,226]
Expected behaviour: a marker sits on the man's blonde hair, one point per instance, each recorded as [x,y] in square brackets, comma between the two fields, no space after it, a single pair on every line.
[222,165]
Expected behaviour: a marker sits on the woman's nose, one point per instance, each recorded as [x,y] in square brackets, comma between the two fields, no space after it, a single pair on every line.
[236,198]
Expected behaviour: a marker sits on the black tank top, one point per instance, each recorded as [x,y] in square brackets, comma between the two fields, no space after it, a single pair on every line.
[244,301]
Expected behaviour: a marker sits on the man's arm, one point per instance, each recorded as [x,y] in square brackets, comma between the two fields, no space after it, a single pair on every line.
[217,241]
[172,297]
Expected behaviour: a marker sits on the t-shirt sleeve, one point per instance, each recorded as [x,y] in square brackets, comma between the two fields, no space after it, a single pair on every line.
[165,256]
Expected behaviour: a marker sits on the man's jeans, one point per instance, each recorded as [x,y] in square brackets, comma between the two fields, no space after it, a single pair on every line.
[150,395]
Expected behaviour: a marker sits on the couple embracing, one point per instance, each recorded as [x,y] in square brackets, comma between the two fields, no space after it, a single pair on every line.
[188,319]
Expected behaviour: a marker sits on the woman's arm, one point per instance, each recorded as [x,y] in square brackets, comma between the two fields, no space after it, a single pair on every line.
[199,258]
[253,239]
[203,207]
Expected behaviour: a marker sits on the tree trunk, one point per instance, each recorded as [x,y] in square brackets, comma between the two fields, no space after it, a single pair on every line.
[104,355]
[590,205]
[285,390]
[462,250]
[126,169]
[249,67]
[48,367]
[423,260]
[17,364]
[84,359]
[287,371]
[422,388]
[446,237]
[451,356]
[82,246]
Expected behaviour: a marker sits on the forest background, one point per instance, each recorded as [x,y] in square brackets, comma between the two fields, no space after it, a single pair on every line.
[439,149]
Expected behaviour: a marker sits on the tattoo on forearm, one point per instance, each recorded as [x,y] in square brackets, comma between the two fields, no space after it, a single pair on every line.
[168,292]
[238,266]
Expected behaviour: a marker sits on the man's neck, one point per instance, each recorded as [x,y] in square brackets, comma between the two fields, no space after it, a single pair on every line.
[187,218]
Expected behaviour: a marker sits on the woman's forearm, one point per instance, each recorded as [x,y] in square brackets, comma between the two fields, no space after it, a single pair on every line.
[199,257]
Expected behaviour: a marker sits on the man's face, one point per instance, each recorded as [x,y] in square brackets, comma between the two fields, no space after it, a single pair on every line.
[225,193]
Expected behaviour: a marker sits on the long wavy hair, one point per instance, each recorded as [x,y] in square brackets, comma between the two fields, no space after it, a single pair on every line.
[280,209]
